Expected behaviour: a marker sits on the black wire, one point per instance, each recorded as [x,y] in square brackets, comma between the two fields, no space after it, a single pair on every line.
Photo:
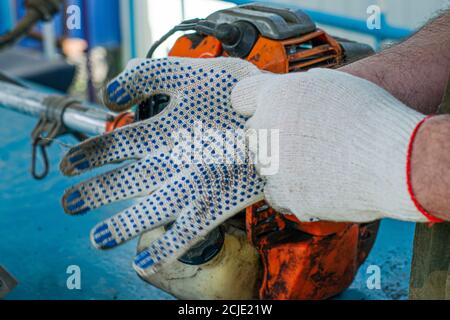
[22,28]
[8,79]
[36,10]
[45,161]
[152,106]
[184,26]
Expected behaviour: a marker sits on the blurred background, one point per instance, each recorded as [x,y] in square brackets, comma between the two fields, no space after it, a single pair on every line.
[38,241]
[111,32]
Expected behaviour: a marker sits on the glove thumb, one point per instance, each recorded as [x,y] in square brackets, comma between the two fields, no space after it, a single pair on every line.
[244,97]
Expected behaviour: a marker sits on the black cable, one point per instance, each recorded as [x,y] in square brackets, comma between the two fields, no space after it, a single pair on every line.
[155,104]
[45,162]
[36,10]
[30,19]
[184,26]
[8,79]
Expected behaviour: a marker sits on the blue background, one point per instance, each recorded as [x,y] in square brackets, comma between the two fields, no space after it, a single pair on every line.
[100,22]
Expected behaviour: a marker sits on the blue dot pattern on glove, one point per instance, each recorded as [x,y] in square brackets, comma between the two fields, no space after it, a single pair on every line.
[196,196]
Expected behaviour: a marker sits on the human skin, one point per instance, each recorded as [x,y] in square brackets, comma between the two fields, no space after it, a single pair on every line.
[416,72]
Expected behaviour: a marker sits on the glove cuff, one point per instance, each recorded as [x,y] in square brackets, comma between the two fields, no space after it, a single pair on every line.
[432,219]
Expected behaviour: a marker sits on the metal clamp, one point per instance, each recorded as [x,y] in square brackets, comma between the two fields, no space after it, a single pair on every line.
[49,127]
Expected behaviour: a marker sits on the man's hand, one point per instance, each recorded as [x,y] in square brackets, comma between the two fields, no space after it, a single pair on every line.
[190,185]
[416,72]
[345,145]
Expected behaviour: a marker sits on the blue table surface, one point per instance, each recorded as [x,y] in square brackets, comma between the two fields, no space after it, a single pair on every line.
[38,241]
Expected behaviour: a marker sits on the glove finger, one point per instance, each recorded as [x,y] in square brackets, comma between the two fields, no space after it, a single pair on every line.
[213,205]
[144,77]
[135,180]
[131,142]
[183,234]
[141,79]
[159,209]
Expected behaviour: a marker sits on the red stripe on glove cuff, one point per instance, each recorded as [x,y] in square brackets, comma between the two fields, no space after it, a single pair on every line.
[419,207]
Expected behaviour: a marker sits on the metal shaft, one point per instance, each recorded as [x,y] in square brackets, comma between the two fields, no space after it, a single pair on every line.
[90,120]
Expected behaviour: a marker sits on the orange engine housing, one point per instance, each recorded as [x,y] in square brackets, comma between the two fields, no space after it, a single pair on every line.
[277,56]
[301,260]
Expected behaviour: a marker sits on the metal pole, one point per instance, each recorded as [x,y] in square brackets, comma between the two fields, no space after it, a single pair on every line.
[90,120]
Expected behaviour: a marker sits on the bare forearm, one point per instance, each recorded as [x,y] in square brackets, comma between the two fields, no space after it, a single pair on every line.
[416,72]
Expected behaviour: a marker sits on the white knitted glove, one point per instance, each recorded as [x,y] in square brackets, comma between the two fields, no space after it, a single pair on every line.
[343,149]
